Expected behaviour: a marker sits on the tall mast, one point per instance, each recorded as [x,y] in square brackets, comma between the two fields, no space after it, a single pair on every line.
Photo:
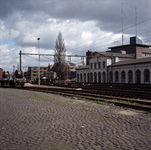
[122,21]
[136,20]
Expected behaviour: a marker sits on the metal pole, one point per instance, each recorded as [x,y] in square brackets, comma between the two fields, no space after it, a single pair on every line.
[112,66]
[20,60]
[67,70]
[38,63]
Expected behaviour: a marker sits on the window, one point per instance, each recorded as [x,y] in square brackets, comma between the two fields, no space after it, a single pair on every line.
[103,64]
[104,77]
[146,75]
[116,77]
[146,54]
[88,77]
[138,76]
[99,76]
[130,76]
[123,76]
[81,77]
[110,77]
[131,54]
[143,54]
[95,77]
[94,65]
[91,75]
[99,64]
[84,77]
[91,66]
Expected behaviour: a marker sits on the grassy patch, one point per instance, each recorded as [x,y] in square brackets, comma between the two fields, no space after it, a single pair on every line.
[56,146]
[39,97]
[104,129]
[20,122]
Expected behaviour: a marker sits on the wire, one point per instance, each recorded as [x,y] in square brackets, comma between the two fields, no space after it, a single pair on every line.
[49,58]
[31,57]
[113,34]
[145,32]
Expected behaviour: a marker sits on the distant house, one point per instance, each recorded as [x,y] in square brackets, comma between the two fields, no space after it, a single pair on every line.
[69,72]
[33,72]
[1,72]
[50,75]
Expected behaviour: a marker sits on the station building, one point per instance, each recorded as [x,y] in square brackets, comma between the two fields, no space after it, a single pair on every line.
[118,66]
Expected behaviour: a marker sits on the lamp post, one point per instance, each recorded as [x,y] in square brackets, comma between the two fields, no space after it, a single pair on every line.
[38,62]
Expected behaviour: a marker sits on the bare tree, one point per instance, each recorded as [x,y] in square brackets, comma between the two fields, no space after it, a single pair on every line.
[59,59]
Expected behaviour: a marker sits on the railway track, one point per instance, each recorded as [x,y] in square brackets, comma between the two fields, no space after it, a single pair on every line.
[98,97]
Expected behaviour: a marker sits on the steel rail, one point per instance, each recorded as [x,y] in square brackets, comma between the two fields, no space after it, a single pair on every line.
[119,101]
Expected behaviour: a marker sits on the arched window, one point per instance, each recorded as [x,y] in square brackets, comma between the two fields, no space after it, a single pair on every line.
[84,77]
[81,77]
[99,76]
[111,77]
[104,77]
[130,76]
[91,76]
[138,76]
[116,77]
[146,75]
[123,77]
[88,78]
[95,77]
[77,77]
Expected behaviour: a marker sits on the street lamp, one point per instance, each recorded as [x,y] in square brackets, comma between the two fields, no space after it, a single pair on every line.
[38,62]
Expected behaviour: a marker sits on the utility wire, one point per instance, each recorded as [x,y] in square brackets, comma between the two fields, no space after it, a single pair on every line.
[32,57]
[113,34]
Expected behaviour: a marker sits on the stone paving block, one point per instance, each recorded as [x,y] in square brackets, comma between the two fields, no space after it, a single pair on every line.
[42,121]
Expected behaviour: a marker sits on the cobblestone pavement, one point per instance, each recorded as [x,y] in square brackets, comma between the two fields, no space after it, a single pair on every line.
[41,121]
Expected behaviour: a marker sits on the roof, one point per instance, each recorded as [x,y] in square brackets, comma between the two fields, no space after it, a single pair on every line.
[133,61]
[83,67]
[121,46]
[113,54]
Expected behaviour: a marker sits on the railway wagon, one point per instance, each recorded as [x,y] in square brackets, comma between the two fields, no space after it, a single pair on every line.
[11,80]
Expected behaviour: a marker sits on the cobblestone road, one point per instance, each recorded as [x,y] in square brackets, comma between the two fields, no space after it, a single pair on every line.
[41,121]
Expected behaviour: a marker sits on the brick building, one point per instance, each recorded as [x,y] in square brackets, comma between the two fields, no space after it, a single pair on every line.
[1,72]
[33,72]
[135,48]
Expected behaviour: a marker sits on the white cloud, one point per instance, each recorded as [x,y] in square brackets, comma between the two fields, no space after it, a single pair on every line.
[84,25]
[14,33]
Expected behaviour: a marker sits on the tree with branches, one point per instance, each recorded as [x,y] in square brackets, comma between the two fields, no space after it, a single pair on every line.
[59,58]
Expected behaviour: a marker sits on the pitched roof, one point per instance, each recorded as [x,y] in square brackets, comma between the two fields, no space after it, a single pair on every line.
[83,67]
[109,54]
[133,61]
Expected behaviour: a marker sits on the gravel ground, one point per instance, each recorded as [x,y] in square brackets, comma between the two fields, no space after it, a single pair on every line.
[41,121]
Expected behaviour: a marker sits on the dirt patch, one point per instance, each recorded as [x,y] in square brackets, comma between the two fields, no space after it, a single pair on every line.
[127,112]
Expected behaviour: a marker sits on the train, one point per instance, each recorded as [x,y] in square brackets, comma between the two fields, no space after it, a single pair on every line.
[12,80]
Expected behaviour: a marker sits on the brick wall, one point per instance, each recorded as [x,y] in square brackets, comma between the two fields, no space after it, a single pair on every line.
[1,72]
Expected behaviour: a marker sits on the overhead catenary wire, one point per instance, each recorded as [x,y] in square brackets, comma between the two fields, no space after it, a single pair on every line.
[113,34]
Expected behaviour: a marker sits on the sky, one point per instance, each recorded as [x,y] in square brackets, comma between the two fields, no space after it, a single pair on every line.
[85,25]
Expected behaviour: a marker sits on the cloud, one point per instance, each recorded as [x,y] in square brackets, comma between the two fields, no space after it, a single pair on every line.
[85,25]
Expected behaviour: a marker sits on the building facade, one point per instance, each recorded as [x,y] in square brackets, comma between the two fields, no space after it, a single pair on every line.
[107,67]
[33,72]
